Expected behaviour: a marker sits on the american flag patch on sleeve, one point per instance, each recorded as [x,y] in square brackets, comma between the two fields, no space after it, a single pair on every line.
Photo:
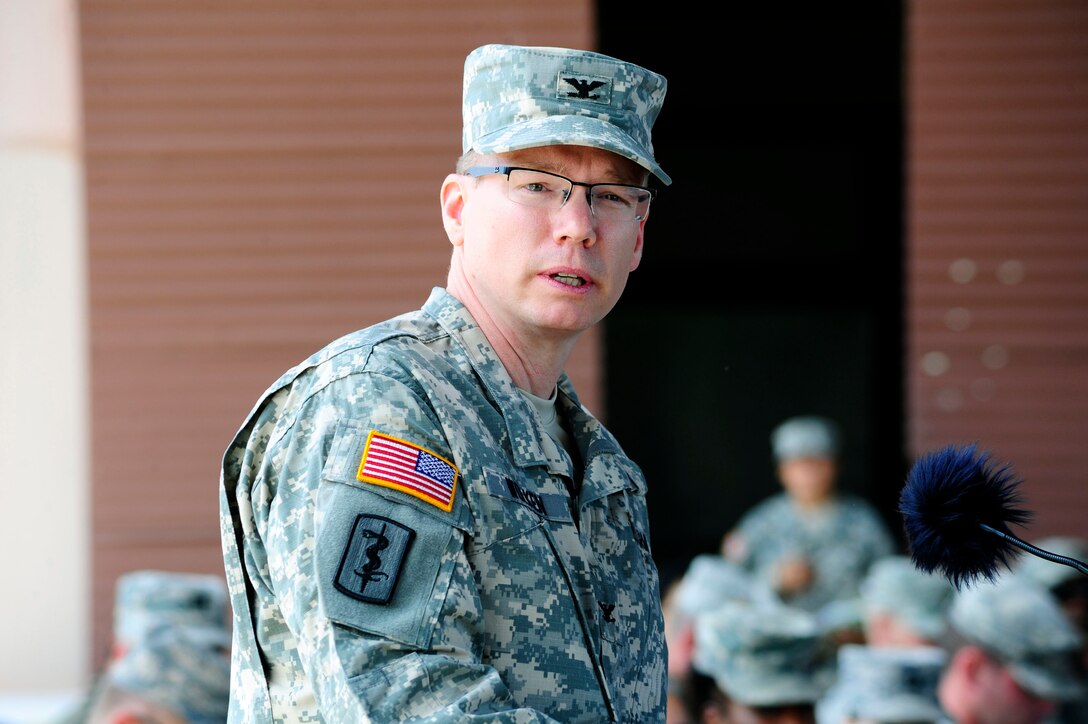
[394,463]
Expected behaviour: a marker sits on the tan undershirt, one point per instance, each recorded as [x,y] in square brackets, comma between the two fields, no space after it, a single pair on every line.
[549,416]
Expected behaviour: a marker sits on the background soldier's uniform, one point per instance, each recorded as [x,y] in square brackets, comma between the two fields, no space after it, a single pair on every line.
[170,648]
[886,684]
[841,543]
[476,583]
[840,538]
[764,654]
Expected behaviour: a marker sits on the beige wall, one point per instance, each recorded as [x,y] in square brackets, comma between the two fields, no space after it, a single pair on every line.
[43,398]
[250,183]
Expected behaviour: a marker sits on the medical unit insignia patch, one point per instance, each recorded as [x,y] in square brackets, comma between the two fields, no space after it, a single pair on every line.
[372,559]
[395,463]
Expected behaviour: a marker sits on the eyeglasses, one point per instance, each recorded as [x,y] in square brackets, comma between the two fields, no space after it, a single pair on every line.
[545,190]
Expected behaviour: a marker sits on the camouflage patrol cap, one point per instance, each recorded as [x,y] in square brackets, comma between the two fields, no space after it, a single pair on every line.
[884,683]
[711,579]
[183,668]
[1048,573]
[763,655]
[519,97]
[805,436]
[145,599]
[1021,624]
[919,600]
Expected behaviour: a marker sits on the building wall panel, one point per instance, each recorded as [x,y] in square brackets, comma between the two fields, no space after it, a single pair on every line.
[260,179]
[997,197]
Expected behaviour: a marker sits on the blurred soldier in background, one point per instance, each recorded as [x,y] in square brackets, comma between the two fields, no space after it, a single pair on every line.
[177,674]
[1070,588]
[148,599]
[1068,585]
[169,659]
[811,542]
[708,582]
[884,685]
[891,675]
[1013,655]
[766,663]
[902,605]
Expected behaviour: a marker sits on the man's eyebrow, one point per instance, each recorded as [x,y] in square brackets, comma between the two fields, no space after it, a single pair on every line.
[536,163]
[614,173]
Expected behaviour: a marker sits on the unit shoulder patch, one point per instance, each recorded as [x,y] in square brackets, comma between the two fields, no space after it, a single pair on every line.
[372,558]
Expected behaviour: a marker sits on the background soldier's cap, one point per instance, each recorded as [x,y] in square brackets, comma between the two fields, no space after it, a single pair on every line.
[920,600]
[145,599]
[519,97]
[1021,624]
[710,580]
[887,684]
[183,668]
[805,436]
[763,655]
[1048,573]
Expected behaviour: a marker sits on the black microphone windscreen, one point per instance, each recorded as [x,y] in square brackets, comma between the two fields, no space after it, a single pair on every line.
[950,499]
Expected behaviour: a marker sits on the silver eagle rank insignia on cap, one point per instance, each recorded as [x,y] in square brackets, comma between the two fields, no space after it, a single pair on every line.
[518,97]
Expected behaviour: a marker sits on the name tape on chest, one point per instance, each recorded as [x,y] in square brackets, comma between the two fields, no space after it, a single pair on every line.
[548,505]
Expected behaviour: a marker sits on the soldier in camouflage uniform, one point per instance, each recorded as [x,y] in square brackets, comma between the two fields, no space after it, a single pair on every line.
[884,685]
[169,657]
[1070,588]
[173,675]
[811,542]
[147,599]
[707,583]
[769,663]
[902,605]
[421,522]
[1013,655]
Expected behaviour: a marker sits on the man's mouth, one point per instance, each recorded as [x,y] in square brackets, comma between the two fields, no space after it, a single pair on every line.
[572,280]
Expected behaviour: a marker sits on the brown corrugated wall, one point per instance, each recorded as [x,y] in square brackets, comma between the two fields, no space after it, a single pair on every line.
[998,241]
[261,177]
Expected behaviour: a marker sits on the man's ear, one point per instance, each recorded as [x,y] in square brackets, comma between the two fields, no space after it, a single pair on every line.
[880,625]
[452,201]
[973,660]
[636,256]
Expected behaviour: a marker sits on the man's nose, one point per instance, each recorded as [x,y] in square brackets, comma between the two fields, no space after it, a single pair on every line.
[576,219]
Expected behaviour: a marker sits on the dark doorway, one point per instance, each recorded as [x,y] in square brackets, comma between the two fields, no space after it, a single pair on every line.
[772,280]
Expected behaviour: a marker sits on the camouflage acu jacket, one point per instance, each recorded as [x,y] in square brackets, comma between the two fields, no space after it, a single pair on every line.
[400,544]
